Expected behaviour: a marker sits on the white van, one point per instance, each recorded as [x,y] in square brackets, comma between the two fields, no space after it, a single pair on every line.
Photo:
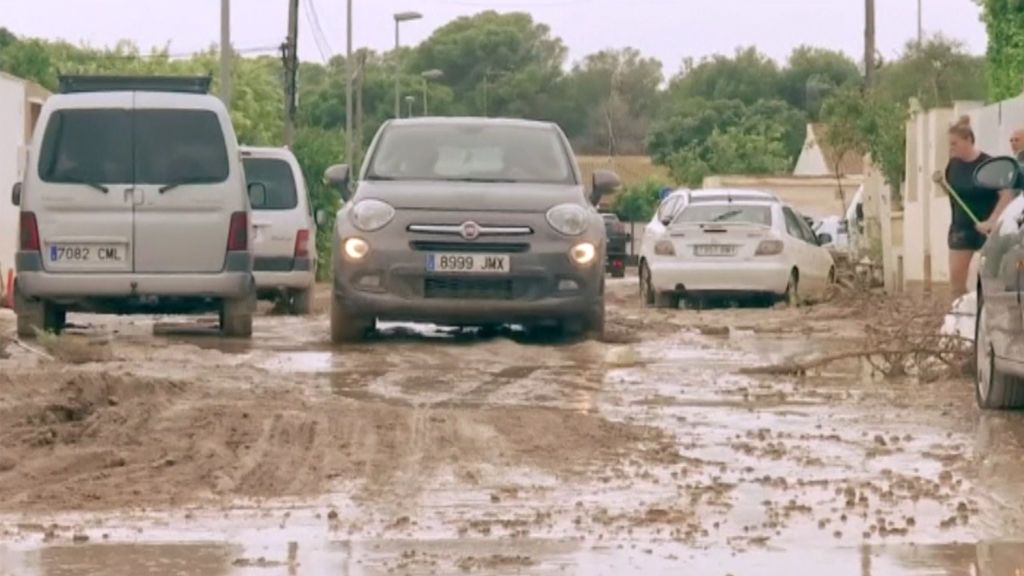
[285,232]
[134,201]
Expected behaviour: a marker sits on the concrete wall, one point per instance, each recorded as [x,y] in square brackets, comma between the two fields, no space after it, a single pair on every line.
[12,138]
[926,205]
[814,196]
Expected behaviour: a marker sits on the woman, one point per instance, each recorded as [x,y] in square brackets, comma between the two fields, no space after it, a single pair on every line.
[965,236]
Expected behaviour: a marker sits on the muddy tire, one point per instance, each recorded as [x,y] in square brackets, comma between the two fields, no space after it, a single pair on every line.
[791,298]
[236,317]
[646,288]
[666,300]
[302,302]
[593,322]
[619,273]
[993,389]
[37,316]
[347,327]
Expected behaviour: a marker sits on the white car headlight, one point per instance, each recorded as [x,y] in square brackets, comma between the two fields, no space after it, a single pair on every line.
[569,219]
[370,215]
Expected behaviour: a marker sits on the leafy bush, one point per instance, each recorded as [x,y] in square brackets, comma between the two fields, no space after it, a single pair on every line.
[637,203]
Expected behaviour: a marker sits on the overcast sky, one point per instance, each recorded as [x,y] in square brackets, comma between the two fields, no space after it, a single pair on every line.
[668,29]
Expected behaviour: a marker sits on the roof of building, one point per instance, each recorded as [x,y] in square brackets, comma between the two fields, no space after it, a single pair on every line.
[850,164]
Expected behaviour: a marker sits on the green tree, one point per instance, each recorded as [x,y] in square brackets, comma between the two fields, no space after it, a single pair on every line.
[638,202]
[812,74]
[747,76]
[936,72]
[1004,20]
[316,149]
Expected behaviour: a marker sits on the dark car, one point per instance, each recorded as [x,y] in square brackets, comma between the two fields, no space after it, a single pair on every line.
[999,324]
[618,238]
[469,222]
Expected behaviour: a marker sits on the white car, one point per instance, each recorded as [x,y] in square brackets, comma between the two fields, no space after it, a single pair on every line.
[737,244]
[285,232]
[134,201]
[655,229]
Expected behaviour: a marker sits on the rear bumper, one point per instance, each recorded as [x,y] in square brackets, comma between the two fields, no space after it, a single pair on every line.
[739,277]
[235,281]
[272,273]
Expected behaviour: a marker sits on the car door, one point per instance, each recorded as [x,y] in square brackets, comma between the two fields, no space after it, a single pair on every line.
[656,228]
[80,189]
[801,251]
[186,185]
[1001,273]
[278,219]
[819,259]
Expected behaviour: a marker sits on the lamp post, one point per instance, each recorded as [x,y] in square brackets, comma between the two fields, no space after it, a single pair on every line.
[399,18]
[410,100]
[427,77]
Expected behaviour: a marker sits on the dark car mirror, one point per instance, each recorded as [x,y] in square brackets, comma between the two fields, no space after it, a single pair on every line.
[321,218]
[257,194]
[338,177]
[605,182]
[824,239]
[16,194]
[998,173]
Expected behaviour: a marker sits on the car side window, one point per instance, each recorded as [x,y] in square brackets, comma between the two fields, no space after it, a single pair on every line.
[667,208]
[809,236]
[795,226]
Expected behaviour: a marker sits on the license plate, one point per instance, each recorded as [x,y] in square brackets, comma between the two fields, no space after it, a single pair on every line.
[468,263]
[714,250]
[87,253]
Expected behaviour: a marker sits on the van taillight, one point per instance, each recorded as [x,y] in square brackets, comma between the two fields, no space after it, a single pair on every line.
[238,233]
[302,244]
[29,232]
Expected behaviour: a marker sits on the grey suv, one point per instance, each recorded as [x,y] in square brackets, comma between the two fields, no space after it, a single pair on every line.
[469,221]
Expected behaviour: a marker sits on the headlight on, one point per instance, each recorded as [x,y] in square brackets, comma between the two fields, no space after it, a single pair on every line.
[583,253]
[664,248]
[356,248]
[370,215]
[569,219]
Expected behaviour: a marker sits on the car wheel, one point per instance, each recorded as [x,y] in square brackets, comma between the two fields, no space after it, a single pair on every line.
[37,316]
[236,316]
[646,288]
[593,323]
[792,296]
[302,302]
[666,300]
[993,389]
[347,327]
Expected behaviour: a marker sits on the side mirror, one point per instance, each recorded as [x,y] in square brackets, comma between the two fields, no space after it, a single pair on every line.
[257,194]
[16,194]
[605,181]
[824,239]
[998,173]
[338,177]
[322,218]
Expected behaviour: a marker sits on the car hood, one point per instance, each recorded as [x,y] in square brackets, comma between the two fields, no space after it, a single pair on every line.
[471,196]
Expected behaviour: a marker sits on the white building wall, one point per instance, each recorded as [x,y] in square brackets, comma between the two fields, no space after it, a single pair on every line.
[12,136]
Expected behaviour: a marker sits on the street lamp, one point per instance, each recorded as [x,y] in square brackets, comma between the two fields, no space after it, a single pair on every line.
[427,77]
[410,100]
[399,18]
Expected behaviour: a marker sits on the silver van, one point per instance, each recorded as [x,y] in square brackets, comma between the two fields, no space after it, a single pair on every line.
[134,201]
[284,243]
[469,221]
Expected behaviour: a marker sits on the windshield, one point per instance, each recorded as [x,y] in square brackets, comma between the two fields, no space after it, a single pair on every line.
[279,180]
[726,213]
[161,146]
[472,152]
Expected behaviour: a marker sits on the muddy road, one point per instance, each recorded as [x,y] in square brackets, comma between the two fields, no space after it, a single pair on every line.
[150,446]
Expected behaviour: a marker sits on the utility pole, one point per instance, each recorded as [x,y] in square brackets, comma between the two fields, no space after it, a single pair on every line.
[357,142]
[290,55]
[920,24]
[869,44]
[225,52]
[349,148]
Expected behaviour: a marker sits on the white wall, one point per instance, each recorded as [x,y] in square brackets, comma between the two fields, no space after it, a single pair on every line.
[12,136]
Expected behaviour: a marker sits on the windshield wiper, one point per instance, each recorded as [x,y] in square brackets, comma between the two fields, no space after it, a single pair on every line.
[726,215]
[95,185]
[379,177]
[173,185]
[483,180]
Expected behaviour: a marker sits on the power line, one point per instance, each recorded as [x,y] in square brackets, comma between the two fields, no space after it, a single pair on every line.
[318,30]
[316,39]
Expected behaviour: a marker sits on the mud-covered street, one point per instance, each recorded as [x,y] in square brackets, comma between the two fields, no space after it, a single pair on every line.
[141,446]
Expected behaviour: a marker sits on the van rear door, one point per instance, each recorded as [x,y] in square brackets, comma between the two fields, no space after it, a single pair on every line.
[81,190]
[278,219]
[187,183]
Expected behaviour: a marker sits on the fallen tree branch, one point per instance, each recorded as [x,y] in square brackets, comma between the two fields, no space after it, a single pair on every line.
[798,367]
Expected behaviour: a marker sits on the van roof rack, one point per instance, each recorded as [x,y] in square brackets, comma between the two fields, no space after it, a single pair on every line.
[72,84]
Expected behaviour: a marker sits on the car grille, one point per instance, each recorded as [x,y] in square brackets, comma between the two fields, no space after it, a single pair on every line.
[469,288]
[472,247]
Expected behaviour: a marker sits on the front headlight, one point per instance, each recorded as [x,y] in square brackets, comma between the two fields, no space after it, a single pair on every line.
[569,219]
[370,215]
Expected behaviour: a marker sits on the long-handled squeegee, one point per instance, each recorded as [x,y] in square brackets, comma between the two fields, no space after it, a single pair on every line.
[940,179]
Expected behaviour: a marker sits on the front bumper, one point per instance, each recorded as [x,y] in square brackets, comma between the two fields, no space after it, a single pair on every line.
[740,276]
[394,285]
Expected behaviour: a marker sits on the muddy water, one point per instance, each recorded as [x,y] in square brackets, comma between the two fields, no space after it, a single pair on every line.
[434,451]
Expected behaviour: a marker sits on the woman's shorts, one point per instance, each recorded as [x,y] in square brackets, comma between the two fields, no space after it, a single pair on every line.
[965,239]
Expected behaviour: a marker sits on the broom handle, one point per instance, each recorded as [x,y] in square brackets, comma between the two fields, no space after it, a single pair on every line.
[940,179]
